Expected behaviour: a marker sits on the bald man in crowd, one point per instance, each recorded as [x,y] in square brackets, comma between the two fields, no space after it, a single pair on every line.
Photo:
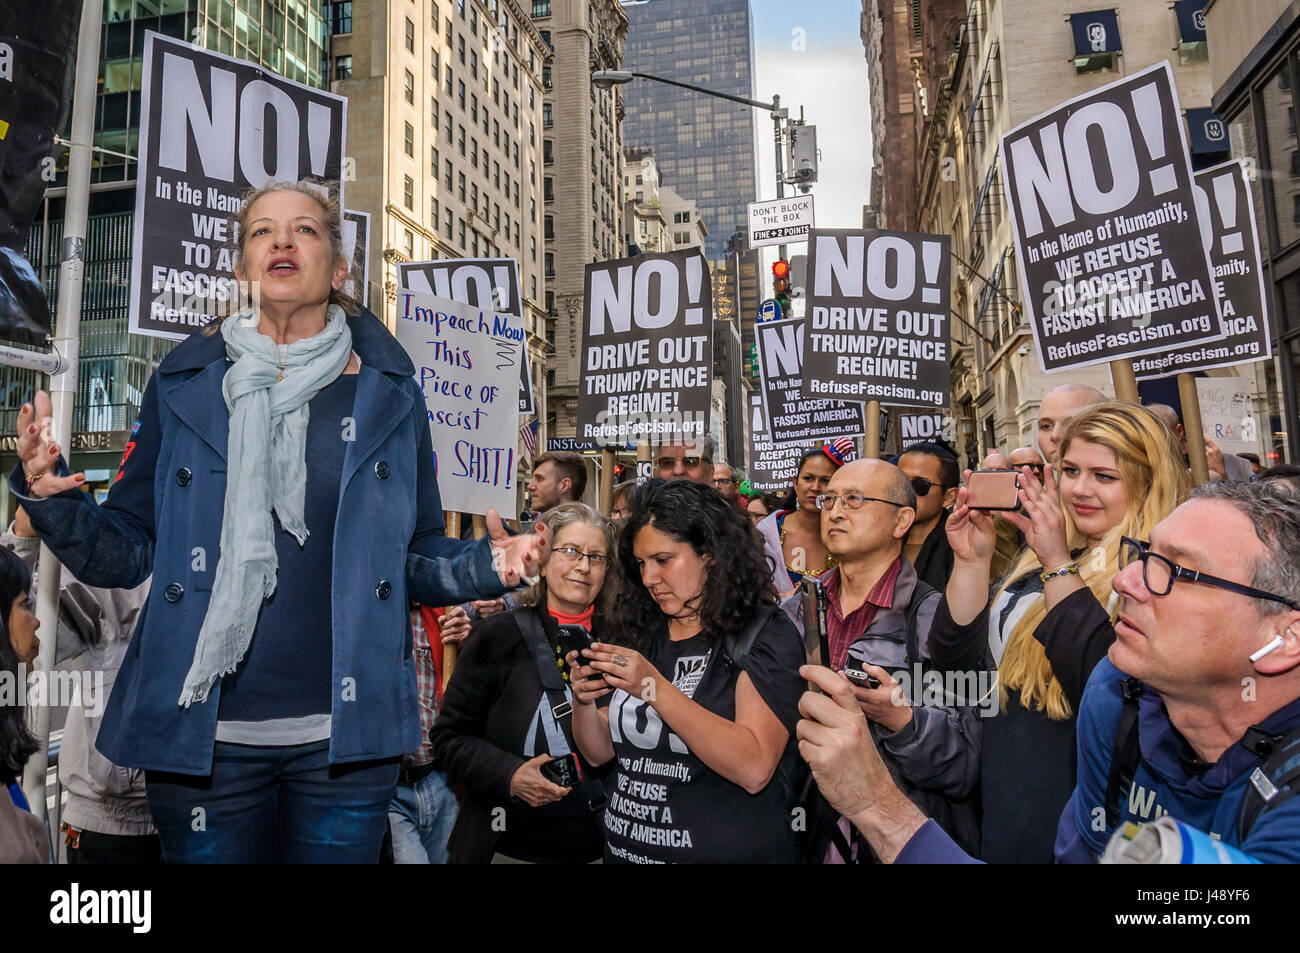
[1027,457]
[1058,404]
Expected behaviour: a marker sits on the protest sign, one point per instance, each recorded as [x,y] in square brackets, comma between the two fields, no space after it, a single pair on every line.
[780,221]
[916,428]
[877,317]
[488,283]
[467,364]
[1100,194]
[647,354]
[1227,214]
[792,417]
[1226,413]
[356,242]
[212,127]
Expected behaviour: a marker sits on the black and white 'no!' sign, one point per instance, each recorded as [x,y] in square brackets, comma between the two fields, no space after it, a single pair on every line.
[1107,232]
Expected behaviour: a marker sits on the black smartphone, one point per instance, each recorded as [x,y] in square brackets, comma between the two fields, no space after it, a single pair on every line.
[814,623]
[563,771]
[993,490]
[859,675]
[575,638]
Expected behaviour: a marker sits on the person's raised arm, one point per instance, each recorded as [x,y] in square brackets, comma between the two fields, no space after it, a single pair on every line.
[972,536]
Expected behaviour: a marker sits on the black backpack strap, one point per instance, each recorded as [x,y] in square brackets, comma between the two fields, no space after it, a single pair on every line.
[539,646]
[1272,783]
[922,592]
[736,647]
[1127,752]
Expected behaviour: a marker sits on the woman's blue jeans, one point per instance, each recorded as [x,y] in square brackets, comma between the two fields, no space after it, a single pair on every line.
[266,805]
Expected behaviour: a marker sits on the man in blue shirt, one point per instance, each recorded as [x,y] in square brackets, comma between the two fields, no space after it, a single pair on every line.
[1209,623]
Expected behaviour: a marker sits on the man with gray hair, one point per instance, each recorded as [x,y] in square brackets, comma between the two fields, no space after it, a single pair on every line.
[1194,714]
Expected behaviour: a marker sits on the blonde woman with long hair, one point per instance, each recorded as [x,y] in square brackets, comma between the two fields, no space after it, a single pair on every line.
[1049,620]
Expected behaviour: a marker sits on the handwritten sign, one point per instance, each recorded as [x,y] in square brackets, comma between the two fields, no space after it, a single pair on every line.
[1227,414]
[467,365]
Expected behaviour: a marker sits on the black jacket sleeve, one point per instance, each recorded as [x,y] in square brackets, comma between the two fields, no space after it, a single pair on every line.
[959,648]
[459,735]
[1075,634]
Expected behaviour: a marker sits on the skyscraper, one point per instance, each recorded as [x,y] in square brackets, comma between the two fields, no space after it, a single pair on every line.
[706,148]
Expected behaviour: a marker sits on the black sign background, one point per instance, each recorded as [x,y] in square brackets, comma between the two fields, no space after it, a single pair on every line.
[792,417]
[1100,193]
[877,317]
[488,283]
[211,128]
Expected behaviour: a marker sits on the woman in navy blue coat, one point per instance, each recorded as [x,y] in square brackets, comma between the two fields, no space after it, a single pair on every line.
[279,485]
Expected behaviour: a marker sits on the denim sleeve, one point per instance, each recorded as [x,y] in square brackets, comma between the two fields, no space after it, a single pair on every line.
[930,845]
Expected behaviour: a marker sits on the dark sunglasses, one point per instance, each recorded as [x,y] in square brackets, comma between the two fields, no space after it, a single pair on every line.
[667,463]
[922,486]
[1159,573]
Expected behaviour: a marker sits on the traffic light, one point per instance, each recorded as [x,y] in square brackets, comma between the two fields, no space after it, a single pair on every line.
[781,285]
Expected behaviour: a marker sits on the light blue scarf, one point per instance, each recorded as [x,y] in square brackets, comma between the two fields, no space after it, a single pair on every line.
[266,470]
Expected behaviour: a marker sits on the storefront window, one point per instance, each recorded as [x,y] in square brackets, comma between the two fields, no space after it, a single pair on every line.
[1279,141]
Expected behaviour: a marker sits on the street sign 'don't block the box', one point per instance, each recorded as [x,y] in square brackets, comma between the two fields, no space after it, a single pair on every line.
[780,221]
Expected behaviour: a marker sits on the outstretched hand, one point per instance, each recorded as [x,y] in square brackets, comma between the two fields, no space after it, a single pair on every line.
[37,451]
[517,558]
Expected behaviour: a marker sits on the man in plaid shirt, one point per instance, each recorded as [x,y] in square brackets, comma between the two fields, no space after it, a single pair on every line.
[423,810]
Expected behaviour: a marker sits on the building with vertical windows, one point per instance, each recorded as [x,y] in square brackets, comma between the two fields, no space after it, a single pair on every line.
[582,177]
[706,148]
[643,212]
[289,37]
[445,107]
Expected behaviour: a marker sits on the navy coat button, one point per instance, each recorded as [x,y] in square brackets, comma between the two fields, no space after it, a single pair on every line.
[183,476]
[381,470]
[384,589]
[173,592]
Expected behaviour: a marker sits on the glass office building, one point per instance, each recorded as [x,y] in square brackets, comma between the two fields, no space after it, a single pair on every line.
[705,148]
[288,36]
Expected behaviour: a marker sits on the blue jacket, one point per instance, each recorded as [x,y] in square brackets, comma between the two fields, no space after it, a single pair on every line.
[167,503]
[1206,800]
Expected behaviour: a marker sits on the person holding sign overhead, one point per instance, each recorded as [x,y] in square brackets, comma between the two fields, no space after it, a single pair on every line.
[280,487]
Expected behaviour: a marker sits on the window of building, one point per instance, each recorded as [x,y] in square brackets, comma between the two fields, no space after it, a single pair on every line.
[460,93]
[548,189]
[343,67]
[460,49]
[408,139]
[460,139]
[447,116]
[546,38]
[473,108]
[408,243]
[460,186]
[433,64]
[532,135]
[340,17]
[435,162]
[410,36]
[473,21]
[410,88]
[449,173]
[433,114]
[447,74]
[408,192]
[541,8]
[460,231]
[546,77]
[548,151]
[447,222]
[532,246]
[473,65]
[548,230]
[433,14]
[473,196]
[547,119]
[532,280]
[433,213]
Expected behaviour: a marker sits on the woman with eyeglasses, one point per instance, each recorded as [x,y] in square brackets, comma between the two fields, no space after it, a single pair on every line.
[504,718]
[698,688]
[793,534]
[760,507]
[1050,619]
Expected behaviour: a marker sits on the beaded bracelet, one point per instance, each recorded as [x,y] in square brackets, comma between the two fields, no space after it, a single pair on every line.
[1071,569]
[33,479]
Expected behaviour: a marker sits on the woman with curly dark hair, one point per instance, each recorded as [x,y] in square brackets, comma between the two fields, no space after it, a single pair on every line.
[702,688]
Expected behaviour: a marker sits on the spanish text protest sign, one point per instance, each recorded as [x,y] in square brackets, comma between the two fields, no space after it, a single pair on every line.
[467,365]
[647,350]
[1227,214]
[1106,225]
[212,127]
[488,283]
[877,317]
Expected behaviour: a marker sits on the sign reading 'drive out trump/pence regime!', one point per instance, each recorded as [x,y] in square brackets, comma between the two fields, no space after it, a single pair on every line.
[877,317]
[1227,214]
[1106,224]
[211,127]
[467,365]
[647,350]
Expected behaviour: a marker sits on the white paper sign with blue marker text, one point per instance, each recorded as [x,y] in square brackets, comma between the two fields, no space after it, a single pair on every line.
[467,365]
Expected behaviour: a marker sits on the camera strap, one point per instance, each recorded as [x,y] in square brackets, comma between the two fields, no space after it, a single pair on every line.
[540,647]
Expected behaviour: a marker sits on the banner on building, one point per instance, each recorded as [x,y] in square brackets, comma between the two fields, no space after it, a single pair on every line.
[37,50]
[1229,232]
[794,418]
[1227,414]
[488,283]
[877,317]
[647,352]
[1105,221]
[211,127]
[467,364]
[356,244]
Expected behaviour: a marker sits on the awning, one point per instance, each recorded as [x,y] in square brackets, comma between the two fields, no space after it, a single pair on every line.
[1191,20]
[1096,31]
[1206,132]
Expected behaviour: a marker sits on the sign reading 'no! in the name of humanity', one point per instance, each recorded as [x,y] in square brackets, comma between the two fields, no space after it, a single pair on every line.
[647,350]
[877,317]
[467,365]
[212,127]
[1106,224]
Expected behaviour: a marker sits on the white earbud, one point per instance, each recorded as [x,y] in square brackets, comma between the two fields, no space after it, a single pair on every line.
[1275,644]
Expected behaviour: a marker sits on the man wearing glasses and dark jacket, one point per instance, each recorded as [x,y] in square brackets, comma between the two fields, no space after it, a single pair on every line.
[1206,654]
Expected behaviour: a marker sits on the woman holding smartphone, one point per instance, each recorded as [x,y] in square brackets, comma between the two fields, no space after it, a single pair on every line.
[1049,621]
[699,687]
[503,731]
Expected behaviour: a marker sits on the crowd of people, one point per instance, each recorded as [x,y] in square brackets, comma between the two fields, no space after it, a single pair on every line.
[873,666]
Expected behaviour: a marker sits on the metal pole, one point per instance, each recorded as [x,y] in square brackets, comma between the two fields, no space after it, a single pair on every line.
[780,161]
[63,382]
[1192,429]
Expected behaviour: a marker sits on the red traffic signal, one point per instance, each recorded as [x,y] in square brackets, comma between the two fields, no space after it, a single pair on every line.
[781,277]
